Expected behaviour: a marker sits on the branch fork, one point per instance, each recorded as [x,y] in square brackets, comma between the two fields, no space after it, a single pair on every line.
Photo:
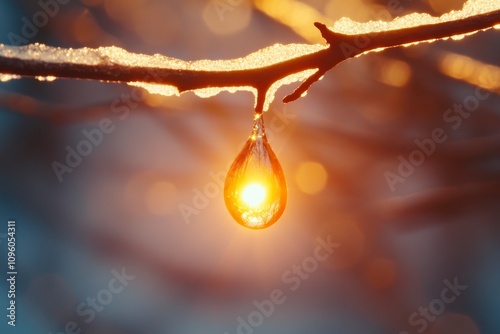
[340,47]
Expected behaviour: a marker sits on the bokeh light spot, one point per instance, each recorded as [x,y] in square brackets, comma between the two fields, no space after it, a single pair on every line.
[226,18]
[395,73]
[311,177]
[471,70]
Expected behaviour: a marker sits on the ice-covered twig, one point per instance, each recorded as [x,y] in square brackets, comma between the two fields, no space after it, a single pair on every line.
[262,72]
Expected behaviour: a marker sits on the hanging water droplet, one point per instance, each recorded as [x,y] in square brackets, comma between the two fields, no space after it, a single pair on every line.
[255,188]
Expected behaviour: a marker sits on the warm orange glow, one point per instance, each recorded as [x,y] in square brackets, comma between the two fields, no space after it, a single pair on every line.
[361,11]
[85,28]
[471,71]
[445,6]
[8,77]
[471,8]
[253,195]
[294,14]
[48,79]
[255,187]
[311,177]
[395,73]
[225,18]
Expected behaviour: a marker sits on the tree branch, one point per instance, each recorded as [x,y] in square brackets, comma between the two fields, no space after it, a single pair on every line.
[259,78]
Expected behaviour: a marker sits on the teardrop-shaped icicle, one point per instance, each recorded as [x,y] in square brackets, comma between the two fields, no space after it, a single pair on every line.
[255,188]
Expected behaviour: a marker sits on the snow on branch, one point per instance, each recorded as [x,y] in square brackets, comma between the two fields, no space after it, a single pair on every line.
[261,72]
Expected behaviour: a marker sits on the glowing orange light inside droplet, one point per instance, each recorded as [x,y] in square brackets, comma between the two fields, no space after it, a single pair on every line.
[253,195]
[255,187]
